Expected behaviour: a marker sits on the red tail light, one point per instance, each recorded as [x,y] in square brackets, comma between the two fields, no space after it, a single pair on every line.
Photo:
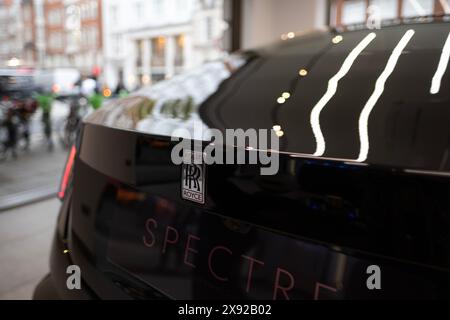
[67,172]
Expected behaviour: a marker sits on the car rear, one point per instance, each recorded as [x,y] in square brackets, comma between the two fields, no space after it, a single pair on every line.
[322,227]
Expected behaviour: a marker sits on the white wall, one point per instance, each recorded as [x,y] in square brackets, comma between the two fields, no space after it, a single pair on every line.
[264,21]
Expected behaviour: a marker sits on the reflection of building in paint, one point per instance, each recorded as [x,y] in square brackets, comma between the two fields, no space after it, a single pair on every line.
[148,41]
[347,12]
[265,21]
[379,90]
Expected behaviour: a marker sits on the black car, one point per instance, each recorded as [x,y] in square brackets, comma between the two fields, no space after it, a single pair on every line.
[359,208]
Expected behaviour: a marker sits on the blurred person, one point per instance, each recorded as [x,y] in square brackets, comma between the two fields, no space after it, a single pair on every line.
[24,109]
[9,123]
[78,105]
[96,100]
[24,106]
[17,110]
[121,91]
[45,101]
[98,97]
[90,88]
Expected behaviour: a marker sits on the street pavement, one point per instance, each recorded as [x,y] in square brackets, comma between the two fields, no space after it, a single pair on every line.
[25,239]
[36,173]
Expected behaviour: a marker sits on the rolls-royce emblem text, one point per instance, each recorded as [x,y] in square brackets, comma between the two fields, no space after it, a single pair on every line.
[192,176]
[193,181]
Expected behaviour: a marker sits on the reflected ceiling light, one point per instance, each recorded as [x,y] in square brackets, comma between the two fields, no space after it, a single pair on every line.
[337,39]
[281,100]
[181,40]
[291,35]
[276,128]
[286,95]
[56,88]
[303,72]
[332,88]
[13,62]
[379,89]
[279,133]
[443,64]
[132,79]
[284,36]
[107,92]
[160,41]
[146,79]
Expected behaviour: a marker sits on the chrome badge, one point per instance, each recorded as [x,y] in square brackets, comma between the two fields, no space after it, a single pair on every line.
[193,177]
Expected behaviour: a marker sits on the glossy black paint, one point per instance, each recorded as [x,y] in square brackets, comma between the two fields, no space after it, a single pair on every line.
[408,127]
[316,224]
[309,232]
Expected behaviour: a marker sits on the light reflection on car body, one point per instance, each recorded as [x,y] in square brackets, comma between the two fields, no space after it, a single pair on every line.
[309,232]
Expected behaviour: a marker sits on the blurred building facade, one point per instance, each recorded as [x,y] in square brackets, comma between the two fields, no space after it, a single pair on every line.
[10,37]
[136,43]
[150,40]
[28,31]
[51,33]
[265,21]
[139,42]
[74,34]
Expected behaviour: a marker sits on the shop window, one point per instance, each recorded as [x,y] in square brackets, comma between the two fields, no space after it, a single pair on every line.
[158,51]
[354,12]
[387,9]
[417,8]
[179,50]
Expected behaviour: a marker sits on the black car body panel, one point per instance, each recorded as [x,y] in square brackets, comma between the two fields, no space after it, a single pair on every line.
[408,126]
[309,232]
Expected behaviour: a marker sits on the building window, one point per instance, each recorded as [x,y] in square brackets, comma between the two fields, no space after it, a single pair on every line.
[55,17]
[114,15]
[158,7]
[416,8]
[89,10]
[117,44]
[209,28]
[92,37]
[179,50]
[387,9]
[28,35]
[27,15]
[354,12]
[139,10]
[139,50]
[56,41]
[158,52]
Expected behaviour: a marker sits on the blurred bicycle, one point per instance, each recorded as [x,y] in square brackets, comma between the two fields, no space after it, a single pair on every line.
[14,126]
[68,129]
